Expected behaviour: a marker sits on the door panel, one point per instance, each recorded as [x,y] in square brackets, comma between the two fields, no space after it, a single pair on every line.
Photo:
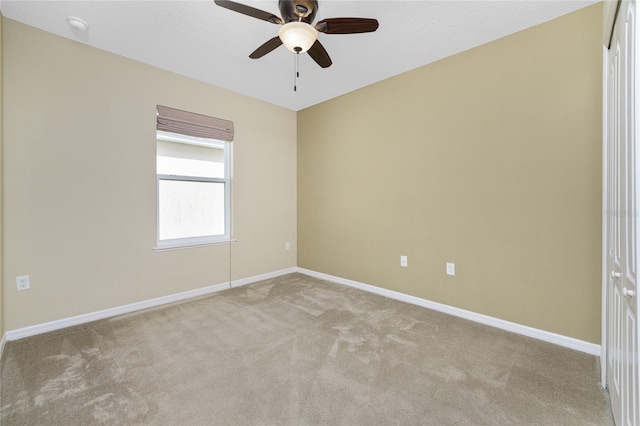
[614,332]
[621,225]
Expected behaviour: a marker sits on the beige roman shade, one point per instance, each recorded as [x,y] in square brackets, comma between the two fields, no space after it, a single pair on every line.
[192,124]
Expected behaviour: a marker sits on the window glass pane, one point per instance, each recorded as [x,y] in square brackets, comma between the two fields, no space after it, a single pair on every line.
[190,209]
[190,160]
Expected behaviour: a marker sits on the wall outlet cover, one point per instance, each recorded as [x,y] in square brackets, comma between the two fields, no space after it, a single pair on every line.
[22,282]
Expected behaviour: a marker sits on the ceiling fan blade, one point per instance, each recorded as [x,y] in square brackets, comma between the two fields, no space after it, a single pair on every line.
[249,11]
[347,25]
[267,47]
[319,54]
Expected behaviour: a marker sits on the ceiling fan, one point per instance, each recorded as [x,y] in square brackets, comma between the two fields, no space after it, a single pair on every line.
[297,32]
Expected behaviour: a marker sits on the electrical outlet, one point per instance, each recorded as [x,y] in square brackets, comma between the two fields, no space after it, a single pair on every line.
[403,261]
[451,268]
[287,245]
[22,283]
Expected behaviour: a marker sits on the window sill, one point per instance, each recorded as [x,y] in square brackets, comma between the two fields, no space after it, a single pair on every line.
[180,246]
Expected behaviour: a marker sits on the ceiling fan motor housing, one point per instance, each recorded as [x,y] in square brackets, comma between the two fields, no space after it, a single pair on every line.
[298,10]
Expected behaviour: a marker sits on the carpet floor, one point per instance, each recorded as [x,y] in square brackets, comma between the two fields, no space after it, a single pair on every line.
[295,350]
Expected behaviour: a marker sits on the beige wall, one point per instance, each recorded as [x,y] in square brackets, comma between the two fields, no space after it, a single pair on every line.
[490,159]
[1,196]
[80,189]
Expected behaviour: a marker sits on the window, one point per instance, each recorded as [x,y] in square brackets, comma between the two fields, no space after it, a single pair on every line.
[193,190]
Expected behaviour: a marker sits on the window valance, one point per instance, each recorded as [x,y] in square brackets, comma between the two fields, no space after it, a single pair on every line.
[192,124]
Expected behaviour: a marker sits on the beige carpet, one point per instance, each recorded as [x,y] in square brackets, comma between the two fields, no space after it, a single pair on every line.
[296,350]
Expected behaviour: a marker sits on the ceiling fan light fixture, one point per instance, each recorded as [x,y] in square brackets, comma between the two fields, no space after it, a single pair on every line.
[298,36]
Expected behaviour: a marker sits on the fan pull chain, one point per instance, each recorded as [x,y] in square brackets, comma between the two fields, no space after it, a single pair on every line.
[296,69]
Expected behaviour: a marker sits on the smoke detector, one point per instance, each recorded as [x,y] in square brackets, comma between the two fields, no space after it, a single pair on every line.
[77,24]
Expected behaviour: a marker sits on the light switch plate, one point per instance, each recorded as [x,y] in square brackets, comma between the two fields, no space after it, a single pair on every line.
[451,268]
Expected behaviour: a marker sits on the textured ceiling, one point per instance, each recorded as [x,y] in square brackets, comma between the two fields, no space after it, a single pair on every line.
[206,42]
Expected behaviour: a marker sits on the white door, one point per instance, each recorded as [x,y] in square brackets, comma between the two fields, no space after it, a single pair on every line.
[621,164]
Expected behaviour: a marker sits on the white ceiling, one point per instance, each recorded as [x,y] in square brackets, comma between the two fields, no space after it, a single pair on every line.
[206,42]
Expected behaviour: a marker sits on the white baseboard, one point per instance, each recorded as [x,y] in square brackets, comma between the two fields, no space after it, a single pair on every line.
[133,307]
[546,336]
[558,339]
[2,342]
[262,277]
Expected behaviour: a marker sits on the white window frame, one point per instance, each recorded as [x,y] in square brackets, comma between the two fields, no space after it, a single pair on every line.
[226,180]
